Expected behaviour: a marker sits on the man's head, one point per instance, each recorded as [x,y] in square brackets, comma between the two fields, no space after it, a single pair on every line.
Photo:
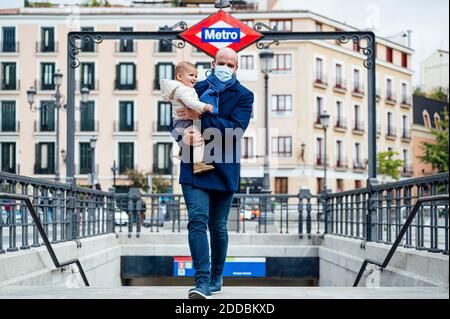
[186,73]
[226,57]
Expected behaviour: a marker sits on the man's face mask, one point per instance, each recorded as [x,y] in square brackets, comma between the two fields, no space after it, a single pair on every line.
[223,73]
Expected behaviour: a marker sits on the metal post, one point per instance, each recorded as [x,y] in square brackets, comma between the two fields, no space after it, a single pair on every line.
[266,180]
[70,158]
[372,109]
[325,164]
[58,106]
[93,165]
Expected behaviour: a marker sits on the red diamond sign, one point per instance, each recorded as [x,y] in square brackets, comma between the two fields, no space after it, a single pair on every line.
[218,31]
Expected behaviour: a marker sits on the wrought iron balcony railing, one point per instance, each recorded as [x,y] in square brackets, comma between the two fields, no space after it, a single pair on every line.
[125,127]
[358,88]
[358,126]
[391,131]
[340,84]
[340,122]
[391,97]
[341,162]
[51,47]
[9,47]
[320,79]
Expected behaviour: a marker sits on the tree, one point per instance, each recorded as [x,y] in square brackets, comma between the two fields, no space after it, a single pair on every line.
[138,179]
[436,153]
[388,166]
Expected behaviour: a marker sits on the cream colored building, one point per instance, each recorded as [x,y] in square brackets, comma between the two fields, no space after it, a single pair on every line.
[129,120]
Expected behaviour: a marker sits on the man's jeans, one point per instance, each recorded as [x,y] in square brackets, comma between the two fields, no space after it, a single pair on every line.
[207,208]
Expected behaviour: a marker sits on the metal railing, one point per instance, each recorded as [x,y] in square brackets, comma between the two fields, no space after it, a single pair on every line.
[400,236]
[377,213]
[66,212]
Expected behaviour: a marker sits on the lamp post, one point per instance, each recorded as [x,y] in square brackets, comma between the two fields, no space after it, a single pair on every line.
[114,170]
[266,58]
[93,143]
[31,94]
[324,120]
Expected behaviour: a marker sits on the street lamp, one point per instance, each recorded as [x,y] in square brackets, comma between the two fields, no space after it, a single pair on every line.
[266,58]
[114,170]
[324,120]
[84,95]
[93,143]
[31,95]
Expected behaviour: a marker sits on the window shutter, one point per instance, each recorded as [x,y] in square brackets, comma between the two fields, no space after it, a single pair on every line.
[156,84]
[12,76]
[51,158]
[117,76]
[134,77]
[37,152]
[155,158]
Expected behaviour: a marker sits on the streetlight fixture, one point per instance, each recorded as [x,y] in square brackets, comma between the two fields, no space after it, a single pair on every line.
[324,120]
[114,169]
[93,143]
[31,95]
[84,95]
[266,58]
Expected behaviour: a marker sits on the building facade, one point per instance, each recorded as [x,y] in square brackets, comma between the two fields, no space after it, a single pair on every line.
[434,72]
[126,115]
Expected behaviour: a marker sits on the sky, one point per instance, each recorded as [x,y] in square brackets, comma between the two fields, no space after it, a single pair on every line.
[427,19]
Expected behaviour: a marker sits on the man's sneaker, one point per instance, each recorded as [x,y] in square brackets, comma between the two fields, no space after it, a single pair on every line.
[215,286]
[199,292]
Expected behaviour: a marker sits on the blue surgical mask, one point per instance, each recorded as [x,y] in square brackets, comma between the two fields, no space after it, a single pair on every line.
[223,73]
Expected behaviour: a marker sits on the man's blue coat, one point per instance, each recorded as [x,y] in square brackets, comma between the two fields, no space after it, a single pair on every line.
[235,109]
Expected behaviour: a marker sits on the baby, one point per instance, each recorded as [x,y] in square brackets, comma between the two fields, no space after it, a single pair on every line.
[182,89]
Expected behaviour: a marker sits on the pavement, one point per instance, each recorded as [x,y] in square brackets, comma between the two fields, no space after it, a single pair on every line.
[163,292]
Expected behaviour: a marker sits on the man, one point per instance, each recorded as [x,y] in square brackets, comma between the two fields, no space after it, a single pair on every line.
[209,196]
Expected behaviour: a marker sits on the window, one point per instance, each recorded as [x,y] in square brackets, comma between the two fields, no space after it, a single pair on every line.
[126,157]
[426,119]
[8,155]
[87,117]
[405,98]
[9,39]
[85,158]
[164,116]
[47,39]
[164,45]
[320,76]
[126,76]
[319,152]
[358,184]
[389,55]
[8,116]
[339,185]
[47,117]
[389,90]
[339,79]
[405,127]
[47,76]
[281,25]
[340,120]
[282,146]
[45,158]
[320,185]
[390,128]
[249,23]
[281,103]
[126,45]
[319,109]
[87,76]
[88,46]
[319,27]
[356,47]
[247,62]
[282,63]
[202,68]
[437,121]
[358,126]
[126,116]
[339,155]
[404,60]
[357,158]
[162,158]
[281,185]
[357,84]
[247,147]
[163,71]
[9,79]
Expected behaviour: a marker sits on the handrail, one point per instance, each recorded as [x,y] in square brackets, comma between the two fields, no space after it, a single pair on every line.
[44,235]
[408,222]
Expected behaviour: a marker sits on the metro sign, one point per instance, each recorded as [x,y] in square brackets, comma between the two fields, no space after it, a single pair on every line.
[218,31]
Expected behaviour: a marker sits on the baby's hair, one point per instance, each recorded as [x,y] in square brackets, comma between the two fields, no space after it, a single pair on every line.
[184,65]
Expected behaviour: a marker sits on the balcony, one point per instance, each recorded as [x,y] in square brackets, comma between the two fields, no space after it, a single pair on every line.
[406,136]
[122,128]
[14,86]
[340,85]
[405,102]
[407,171]
[44,86]
[9,47]
[43,171]
[157,127]
[340,124]
[358,166]
[320,160]
[317,121]
[358,127]
[86,170]
[50,48]
[320,80]
[48,128]
[125,87]
[391,97]
[95,86]
[9,127]
[378,130]
[391,133]
[358,89]
[167,170]
[122,49]
[87,127]
[163,47]
[341,163]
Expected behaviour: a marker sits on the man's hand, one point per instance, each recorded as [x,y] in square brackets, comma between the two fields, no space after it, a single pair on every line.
[208,108]
[192,137]
[188,114]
